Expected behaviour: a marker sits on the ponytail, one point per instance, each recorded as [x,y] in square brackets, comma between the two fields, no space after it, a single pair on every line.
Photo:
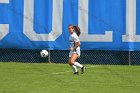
[77,29]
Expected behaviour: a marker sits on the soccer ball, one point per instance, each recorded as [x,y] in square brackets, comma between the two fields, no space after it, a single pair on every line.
[44,53]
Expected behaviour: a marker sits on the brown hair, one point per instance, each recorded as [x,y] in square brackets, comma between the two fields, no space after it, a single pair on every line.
[77,29]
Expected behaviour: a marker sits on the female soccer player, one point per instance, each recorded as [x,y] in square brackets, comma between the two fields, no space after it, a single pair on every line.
[74,49]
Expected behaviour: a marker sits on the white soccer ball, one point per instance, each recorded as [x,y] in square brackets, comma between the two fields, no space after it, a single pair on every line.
[44,53]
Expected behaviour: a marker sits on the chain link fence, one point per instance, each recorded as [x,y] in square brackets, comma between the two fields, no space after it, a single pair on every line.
[96,57]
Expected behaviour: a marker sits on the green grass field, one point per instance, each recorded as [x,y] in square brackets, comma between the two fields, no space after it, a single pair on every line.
[59,78]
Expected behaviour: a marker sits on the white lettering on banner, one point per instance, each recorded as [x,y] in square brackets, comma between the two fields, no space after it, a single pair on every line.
[4,28]
[83,23]
[4,1]
[57,14]
[56,21]
[131,22]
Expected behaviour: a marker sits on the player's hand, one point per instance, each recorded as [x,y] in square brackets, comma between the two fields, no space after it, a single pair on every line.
[71,49]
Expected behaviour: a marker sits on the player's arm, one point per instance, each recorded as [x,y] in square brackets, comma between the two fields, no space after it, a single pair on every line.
[76,45]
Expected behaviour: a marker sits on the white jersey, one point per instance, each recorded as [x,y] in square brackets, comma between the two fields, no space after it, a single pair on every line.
[73,40]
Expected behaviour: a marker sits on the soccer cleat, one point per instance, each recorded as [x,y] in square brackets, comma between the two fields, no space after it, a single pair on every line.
[83,69]
[75,73]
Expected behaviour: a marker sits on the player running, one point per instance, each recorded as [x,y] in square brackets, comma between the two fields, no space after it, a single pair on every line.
[75,49]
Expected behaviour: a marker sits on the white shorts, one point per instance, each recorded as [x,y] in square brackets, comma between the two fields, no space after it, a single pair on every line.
[78,52]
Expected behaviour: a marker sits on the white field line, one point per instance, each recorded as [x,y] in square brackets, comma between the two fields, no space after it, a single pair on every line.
[71,70]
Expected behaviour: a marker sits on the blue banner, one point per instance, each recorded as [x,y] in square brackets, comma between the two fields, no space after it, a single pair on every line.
[43,24]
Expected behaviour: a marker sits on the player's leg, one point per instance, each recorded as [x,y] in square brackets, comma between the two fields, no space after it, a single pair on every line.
[73,66]
[73,59]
